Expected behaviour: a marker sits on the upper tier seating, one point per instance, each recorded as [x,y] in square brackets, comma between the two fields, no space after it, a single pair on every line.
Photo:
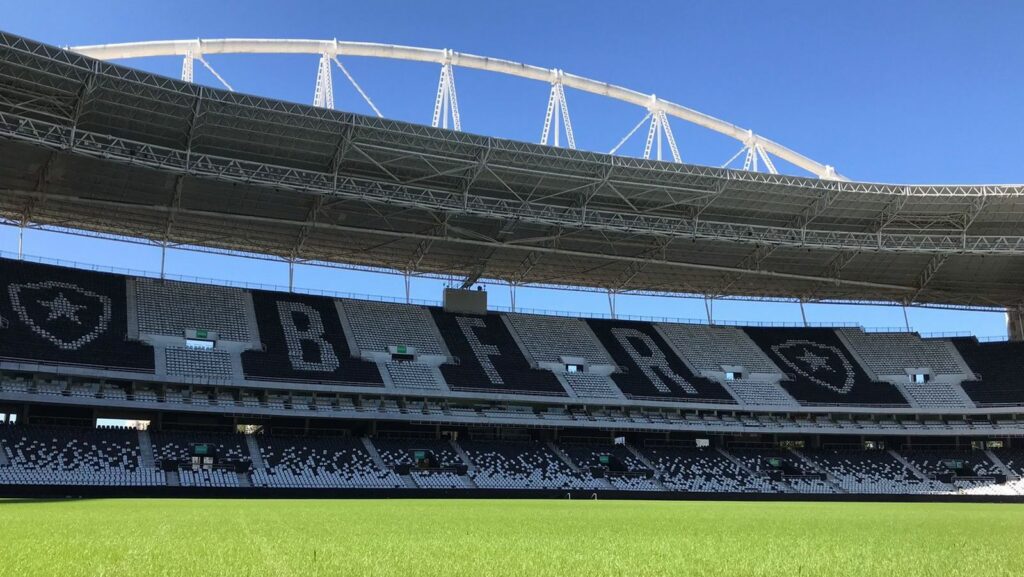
[649,367]
[820,370]
[378,325]
[590,385]
[751,392]
[936,395]
[202,363]
[413,376]
[1000,367]
[67,315]
[171,308]
[75,317]
[505,465]
[309,462]
[304,341]
[73,456]
[893,353]
[488,358]
[708,348]
[704,470]
[548,338]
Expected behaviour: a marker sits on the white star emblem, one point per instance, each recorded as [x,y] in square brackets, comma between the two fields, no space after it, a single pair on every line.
[815,362]
[61,307]
[809,363]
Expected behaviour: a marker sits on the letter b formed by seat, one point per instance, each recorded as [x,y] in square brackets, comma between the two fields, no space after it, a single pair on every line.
[312,335]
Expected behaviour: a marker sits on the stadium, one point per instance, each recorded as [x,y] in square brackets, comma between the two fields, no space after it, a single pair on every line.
[268,393]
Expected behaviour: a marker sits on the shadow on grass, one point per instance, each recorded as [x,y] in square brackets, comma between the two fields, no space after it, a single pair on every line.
[32,500]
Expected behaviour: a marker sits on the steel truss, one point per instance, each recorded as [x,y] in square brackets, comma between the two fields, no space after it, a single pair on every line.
[446,103]
[579,217]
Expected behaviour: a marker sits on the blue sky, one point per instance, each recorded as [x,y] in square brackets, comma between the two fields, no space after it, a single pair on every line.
[908,91]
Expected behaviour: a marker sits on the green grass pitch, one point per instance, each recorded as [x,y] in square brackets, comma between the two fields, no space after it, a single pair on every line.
[537,538]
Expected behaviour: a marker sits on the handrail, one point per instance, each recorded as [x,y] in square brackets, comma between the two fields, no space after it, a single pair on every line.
[140,273]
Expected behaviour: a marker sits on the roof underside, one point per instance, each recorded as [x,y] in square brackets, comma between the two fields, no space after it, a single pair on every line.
[99,147]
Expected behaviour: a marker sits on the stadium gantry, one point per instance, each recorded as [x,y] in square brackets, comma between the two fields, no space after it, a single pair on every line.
[344,394]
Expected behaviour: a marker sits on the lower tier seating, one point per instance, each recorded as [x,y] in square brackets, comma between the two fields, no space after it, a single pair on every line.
[704,470]
[307,462]
[61,456]
[66,456]
[871,472]
[502,465]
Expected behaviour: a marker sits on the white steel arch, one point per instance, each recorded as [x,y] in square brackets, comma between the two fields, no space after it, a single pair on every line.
[658,109]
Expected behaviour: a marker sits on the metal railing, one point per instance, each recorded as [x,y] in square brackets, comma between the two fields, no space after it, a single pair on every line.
[140,273]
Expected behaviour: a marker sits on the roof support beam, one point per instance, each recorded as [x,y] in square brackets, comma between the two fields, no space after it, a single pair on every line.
[816,208]
[751,262]
[927,274]
[682,265]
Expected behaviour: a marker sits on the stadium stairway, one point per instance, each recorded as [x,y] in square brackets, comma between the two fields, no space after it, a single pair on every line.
[375,455]
[244,480]
[172,479]
[470,467]
[146,450]
[565,458]
[906,394]
[647,463]
[786,487]
[988,453]
[912,467]
[409,482]
[604,483]
[254,453]
[641,457]
[5,463]
[829,478]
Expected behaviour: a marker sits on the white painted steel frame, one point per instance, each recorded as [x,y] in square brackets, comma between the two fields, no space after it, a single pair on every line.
[199,48]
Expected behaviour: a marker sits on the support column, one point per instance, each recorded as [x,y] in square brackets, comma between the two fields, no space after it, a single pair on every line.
[163,259]
[1015,323]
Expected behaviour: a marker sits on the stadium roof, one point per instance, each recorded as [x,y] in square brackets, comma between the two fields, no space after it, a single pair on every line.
[99,147]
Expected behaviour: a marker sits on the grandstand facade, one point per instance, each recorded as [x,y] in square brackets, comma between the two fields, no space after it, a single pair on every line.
[256,391]
[350,394]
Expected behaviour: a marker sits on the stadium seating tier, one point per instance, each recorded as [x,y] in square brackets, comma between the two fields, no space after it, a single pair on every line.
[304,341]
[649,368]
[820,370]
[68,316]
[488,357]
